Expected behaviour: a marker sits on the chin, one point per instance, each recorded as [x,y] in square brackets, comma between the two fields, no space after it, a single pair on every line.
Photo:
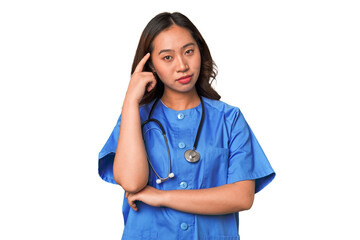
[184,89]
[187,88]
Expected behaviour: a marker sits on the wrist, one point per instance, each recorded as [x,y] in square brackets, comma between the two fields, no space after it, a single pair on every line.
[130,102]
[164,198]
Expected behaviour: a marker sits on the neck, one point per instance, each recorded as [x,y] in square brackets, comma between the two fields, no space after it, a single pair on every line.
[181,101]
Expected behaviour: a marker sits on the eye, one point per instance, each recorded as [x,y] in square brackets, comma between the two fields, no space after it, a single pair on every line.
[190,51]
[167,58]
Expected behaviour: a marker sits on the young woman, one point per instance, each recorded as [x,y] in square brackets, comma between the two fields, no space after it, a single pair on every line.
[188,162]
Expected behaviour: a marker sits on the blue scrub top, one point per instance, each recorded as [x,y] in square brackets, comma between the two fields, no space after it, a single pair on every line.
[229,153]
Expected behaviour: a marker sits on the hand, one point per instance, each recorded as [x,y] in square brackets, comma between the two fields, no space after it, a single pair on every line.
[140,80]
[148,195]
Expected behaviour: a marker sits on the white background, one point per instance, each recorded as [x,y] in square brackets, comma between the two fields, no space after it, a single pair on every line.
[291,66]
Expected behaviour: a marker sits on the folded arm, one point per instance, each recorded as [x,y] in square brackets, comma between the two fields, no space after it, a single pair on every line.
[224,199]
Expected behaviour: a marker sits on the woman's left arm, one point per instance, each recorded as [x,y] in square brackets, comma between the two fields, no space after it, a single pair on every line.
[228,198]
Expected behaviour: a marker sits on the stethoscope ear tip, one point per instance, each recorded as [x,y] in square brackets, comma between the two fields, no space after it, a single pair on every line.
[171,175]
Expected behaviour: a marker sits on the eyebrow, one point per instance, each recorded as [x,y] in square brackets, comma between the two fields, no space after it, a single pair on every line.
[170,50]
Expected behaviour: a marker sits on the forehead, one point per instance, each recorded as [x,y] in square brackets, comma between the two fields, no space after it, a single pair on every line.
[173,38]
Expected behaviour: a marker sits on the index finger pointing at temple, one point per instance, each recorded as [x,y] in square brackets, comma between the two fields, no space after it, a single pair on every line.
[142,62]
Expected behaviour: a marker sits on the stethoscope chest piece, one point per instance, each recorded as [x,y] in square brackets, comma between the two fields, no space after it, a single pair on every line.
[192,156]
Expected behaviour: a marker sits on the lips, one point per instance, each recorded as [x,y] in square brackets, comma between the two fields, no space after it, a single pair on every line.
[184,79]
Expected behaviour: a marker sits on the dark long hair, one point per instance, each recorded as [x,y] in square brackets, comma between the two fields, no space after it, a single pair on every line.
[159,23]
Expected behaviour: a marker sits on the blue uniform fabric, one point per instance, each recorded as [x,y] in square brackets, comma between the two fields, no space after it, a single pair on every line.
[229,153]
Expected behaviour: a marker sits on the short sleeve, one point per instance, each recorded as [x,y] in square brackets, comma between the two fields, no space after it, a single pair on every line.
[247,160]
[107,154]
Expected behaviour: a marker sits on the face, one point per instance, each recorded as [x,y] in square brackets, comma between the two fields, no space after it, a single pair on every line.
[176,59]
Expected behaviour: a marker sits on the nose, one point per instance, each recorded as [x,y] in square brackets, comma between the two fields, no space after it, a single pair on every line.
[182,65]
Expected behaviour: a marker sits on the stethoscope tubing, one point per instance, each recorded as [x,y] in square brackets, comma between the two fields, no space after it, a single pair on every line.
[188,154]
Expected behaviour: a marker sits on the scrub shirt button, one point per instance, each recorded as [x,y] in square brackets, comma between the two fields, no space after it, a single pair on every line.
[184,226]
[181,145]
[183,184]
[180,116]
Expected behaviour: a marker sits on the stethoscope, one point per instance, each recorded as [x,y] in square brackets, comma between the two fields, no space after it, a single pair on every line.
[190,155]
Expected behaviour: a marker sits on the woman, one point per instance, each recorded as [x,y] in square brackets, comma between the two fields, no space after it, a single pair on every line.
[187,161]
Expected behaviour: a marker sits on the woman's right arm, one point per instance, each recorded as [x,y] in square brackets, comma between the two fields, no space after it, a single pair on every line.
[130,164]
